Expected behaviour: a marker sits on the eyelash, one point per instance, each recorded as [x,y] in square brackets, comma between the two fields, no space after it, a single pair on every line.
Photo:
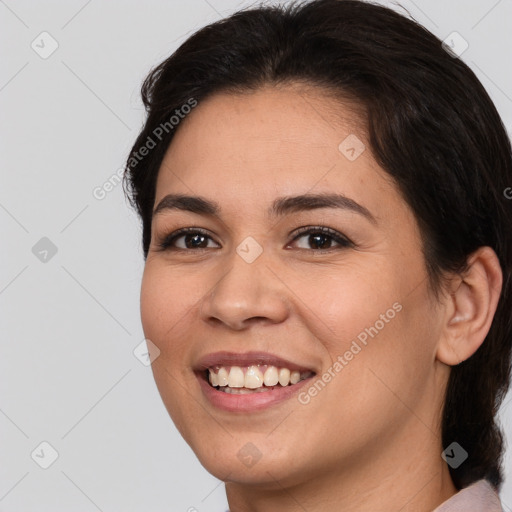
[166,243]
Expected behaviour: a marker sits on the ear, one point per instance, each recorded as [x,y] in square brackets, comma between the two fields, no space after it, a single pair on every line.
[470,308]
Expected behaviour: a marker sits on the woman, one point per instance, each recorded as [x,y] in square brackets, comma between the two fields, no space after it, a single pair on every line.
[328,260]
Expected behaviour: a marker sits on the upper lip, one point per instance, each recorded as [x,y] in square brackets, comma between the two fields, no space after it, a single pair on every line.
[224,358]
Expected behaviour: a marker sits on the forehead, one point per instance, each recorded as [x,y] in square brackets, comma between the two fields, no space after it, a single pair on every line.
[270,142]
[290,116]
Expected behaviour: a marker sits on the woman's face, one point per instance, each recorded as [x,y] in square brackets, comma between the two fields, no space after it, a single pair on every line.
[351,305]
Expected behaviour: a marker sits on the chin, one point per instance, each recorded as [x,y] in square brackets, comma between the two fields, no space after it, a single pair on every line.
[241,461]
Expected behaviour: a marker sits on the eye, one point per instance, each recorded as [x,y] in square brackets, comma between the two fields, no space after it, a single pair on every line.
[192,238]
[321,238]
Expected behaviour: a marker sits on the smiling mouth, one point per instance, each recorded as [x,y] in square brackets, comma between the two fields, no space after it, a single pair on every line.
[258,378]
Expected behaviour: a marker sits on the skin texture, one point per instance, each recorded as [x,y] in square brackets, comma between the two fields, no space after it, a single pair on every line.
[371,439]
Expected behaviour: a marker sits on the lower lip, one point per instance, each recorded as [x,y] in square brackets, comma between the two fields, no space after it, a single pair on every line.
[251,401]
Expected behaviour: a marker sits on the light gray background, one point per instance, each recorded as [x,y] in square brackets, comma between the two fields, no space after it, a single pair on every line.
[69,325]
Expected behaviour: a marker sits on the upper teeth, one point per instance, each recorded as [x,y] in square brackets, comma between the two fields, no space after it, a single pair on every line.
[254,376]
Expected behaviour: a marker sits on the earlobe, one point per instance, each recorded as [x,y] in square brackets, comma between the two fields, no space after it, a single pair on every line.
[470,308]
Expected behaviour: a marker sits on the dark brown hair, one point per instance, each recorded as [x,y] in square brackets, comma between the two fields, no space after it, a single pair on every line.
[431,126]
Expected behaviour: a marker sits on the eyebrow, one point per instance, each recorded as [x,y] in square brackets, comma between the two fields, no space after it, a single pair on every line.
[281,206]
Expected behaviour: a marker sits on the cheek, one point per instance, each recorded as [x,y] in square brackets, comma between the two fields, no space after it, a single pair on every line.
[349,301]
[372,327]
[154,296]
[164,313]
[167,296]
[384,357]
[164,308]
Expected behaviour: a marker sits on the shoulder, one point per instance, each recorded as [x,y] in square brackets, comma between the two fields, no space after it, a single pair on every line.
[478,497]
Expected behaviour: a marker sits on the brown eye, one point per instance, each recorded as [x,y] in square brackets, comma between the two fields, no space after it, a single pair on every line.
[321,238]
[186,239]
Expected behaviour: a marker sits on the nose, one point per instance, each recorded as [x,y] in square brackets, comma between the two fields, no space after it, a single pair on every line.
[244,294]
